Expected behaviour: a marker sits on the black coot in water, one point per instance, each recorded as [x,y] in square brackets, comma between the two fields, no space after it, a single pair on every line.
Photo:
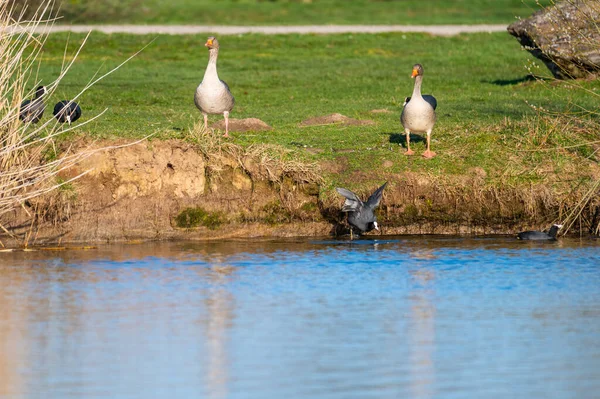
[67,111]
[540,235]
[361,215]
[33,110]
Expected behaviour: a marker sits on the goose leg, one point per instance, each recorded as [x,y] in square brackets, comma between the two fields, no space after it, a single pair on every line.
[408,150]
[226,115]
[428,153]
[351,238]
[205,120]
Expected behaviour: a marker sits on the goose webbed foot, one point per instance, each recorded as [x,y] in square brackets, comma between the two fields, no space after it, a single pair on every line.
[428,154]
[409,152]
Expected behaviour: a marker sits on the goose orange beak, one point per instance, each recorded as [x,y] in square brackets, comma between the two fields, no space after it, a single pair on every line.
[414,73]
[208,43]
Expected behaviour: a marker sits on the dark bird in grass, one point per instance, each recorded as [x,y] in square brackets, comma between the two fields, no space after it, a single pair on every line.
[32,110]
[361,215]
[67,111]
[540,235]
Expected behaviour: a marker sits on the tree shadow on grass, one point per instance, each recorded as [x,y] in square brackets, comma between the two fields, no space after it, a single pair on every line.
[511,82]
[400,138]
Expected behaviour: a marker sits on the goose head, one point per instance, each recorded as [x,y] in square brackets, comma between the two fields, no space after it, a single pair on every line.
[212,43]
[417,70]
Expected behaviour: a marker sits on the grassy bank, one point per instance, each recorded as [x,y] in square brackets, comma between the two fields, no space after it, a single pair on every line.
[297,12]
[480,82]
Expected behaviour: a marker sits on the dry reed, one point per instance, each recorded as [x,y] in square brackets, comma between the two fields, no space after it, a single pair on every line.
[24,173]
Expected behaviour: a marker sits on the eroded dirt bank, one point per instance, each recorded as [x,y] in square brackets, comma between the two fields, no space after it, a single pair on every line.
[161,190]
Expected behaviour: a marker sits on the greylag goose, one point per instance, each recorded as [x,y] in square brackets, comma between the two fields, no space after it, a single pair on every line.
[418,114]
[67,111]
[33,110]
[540,235]
[213,95]
[361,215]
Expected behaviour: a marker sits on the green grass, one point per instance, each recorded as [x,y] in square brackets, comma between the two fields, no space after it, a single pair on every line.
[480,81]
[298,12]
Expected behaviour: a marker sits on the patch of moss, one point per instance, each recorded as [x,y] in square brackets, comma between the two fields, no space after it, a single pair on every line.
[195,217]
[276,213]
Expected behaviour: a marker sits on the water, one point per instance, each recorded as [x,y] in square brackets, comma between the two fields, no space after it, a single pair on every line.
[397,317]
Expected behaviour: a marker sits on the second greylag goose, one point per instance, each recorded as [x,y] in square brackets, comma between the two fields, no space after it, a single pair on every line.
[33,110]
[361,215]
[213,95]
[418,114]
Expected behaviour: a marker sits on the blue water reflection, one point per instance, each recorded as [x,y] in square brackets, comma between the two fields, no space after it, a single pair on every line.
[418,317]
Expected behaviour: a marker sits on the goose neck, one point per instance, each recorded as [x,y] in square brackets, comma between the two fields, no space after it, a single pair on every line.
[211,68]
[417,88]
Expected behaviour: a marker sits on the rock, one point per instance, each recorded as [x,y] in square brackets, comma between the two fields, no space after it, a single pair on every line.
[243,125]
[565,37]
[335,119]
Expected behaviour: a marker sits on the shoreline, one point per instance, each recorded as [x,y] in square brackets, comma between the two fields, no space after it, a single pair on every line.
[174,190]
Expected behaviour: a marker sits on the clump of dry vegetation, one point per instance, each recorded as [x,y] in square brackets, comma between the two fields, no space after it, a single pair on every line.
[575,129]
[26,170]
[260,161]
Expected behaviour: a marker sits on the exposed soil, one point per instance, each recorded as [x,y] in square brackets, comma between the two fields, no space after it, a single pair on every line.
[175,190]
[243,125]
[338,119]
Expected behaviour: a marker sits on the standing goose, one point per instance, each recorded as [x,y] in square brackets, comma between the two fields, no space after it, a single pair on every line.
[33,110]
[361,215]
[67,111]
[418,114]
[213,95]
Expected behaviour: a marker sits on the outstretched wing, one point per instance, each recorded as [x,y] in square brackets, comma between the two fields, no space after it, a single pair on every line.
[375,198]
[353,203]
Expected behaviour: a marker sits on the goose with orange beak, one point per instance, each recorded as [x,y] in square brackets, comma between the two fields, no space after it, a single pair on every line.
[418,114]
[213,95]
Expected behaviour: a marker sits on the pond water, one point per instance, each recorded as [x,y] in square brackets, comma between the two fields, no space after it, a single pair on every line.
[385,317]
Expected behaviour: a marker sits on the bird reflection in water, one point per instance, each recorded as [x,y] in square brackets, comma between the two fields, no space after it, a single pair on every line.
[422,334]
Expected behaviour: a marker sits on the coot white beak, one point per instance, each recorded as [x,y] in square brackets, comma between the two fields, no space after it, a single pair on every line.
[376,226]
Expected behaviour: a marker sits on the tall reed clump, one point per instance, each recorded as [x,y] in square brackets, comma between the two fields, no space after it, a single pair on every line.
[583,209]
[24,171]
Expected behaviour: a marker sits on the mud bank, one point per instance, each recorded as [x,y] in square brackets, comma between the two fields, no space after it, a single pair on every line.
[163,190]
